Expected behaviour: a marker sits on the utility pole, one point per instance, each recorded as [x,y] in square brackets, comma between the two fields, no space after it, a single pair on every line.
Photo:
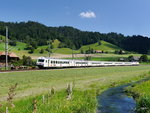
[72,54]
[6,49]
[49,48]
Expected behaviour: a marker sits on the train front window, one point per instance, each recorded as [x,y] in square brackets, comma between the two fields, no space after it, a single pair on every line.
[41,60]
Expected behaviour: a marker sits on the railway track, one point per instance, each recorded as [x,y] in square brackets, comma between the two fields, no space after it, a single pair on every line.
[38,69]
[24,70]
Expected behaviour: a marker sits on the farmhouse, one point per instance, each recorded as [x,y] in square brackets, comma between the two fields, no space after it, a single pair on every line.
[99,51]
[11,57]
[136,58]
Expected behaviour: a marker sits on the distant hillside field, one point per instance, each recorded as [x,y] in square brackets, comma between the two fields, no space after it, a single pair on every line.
[20,50]
[37,34]
[105,46]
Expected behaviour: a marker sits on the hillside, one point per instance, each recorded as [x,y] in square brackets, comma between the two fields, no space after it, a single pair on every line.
[105,46]
[36,34]
[20,50]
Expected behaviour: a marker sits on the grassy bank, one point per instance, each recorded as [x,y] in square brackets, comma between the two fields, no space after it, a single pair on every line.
[88,83]
[81,102]
[142,95]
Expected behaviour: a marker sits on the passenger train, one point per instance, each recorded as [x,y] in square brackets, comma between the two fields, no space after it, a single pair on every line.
[47,62]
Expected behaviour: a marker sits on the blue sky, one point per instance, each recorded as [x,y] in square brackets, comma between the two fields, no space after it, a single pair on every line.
[129,17]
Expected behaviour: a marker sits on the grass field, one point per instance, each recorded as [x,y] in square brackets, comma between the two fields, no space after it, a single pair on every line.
[37,81]
[105,46]
[142,95]
[33,83]
[19,49]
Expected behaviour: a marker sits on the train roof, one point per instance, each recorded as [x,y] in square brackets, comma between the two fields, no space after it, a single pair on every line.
[50,58]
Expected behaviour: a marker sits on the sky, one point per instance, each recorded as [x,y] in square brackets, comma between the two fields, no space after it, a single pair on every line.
[129,17]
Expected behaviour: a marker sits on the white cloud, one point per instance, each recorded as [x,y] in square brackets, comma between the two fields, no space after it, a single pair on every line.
[88,14]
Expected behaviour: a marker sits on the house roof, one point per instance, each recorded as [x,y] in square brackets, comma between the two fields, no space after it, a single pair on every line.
[10,54]
[136,58]
[98,50]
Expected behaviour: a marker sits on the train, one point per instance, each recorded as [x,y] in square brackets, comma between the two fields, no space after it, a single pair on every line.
[48,62]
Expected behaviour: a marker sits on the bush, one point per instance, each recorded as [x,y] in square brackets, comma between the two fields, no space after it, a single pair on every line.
[41,51]
[27,61]
[13,43]
[143,105]
[31,50]
[144,58]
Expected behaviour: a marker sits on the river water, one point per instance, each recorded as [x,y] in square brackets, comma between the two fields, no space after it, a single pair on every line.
[115,100]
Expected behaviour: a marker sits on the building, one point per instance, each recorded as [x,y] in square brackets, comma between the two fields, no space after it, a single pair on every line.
[99,51]
[11,57]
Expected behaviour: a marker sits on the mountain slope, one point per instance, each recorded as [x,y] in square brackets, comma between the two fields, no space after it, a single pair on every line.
[19,49]
[105,46]
[36,34]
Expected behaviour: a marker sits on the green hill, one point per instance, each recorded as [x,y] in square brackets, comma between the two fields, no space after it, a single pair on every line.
[34,33]
[105,46]
[19,49]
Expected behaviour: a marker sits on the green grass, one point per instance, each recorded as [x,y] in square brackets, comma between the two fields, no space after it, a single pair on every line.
[105,46]
[81,102]
[39,81]
[33,84]
[19,48]
[142,95]
[2,38]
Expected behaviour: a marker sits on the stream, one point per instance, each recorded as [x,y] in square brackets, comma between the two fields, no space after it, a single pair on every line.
[115,100]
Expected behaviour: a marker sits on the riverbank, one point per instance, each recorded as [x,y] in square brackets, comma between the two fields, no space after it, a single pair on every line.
[141,93]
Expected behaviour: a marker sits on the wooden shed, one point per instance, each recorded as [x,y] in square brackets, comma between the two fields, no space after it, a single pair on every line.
[11,57]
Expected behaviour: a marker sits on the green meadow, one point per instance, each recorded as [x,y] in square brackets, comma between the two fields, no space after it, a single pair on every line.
[19,49]
[142,95]
[88,82]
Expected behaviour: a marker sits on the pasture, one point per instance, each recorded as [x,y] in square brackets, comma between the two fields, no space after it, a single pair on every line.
[93,80]
[31,82]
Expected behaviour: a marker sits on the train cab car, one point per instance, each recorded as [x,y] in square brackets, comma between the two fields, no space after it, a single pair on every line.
[41,62]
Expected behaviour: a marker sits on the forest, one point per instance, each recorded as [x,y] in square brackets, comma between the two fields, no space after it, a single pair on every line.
[36,34]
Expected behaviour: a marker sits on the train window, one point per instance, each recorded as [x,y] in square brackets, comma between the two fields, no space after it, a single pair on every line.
[41,60]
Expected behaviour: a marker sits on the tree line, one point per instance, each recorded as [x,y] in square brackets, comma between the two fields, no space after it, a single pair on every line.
[36,34]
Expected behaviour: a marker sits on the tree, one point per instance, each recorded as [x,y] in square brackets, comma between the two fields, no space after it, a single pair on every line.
[31,50]
[99,43]
[13,43]
[28,47]
[27,61]
[148,52]
[81,51]
[41,51]
[88,58]
[144,58]
[120,52]
[130,58]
